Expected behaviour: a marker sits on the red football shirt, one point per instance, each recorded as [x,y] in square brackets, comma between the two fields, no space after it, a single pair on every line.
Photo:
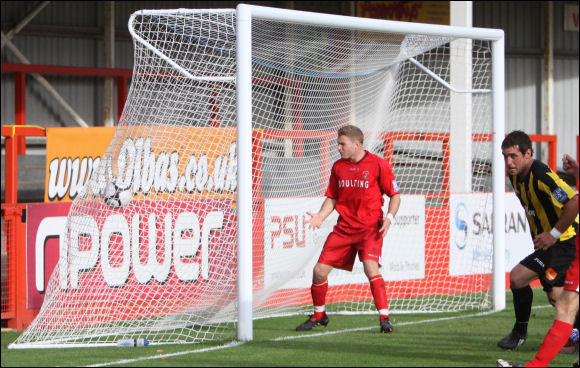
[358,188]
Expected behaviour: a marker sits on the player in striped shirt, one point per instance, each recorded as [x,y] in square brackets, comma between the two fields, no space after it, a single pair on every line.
[356,187]
[551,207]
[566,306]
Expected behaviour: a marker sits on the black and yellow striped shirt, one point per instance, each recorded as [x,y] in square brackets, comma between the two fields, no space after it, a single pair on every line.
[543,194]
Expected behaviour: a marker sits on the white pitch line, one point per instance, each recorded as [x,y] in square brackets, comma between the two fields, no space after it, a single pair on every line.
[294,337]
[285,338]
[161,356]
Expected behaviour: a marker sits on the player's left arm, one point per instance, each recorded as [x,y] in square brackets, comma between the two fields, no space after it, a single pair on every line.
[389,186]
[569,213]
[570,166]
[394,204]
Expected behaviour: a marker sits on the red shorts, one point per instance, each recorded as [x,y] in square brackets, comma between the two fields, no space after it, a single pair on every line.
[340,249]
[571,281]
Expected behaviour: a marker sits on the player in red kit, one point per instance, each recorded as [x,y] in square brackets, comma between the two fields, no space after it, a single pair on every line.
[356,187]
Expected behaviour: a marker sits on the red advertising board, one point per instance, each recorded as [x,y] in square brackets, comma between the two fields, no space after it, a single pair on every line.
[44,225]
[170,240]
[161,253]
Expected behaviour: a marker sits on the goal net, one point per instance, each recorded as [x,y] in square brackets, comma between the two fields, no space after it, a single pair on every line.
[151,245]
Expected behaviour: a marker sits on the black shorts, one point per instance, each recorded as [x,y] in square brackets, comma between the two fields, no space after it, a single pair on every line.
[551,265]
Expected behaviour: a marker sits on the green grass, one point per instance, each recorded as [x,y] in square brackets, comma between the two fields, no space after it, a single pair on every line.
[442,339]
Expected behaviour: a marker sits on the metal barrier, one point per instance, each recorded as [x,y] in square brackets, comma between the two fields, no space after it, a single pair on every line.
[14,267]
[20,70]
[14,232]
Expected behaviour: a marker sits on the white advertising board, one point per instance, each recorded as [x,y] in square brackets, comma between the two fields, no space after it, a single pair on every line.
[290,247]
[471,233]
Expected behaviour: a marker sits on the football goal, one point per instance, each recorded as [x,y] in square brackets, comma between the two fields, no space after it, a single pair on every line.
[193,224]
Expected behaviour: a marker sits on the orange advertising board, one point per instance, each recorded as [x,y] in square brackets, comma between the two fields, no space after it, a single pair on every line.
[71,155]
[146,162]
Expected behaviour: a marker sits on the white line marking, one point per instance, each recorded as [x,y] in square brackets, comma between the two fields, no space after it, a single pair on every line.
[161,356]
[234,344]
[284,338]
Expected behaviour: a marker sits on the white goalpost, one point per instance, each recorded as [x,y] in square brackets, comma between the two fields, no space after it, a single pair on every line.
[193,224]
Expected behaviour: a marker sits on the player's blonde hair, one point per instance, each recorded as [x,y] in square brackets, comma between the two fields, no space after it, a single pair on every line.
[352,132]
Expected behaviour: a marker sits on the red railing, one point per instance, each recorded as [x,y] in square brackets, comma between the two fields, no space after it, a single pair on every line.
[16,134]
[14,269]
[14,254]
[552,141]
[20,70]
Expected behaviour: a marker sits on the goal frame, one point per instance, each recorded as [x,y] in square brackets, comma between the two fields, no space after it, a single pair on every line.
[244,16]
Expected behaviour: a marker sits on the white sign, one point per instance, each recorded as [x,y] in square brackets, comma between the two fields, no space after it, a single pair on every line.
[291,250]
[471,233]
[518,237]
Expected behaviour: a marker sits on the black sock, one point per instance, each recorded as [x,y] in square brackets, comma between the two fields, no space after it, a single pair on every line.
[523,308]
[576,320]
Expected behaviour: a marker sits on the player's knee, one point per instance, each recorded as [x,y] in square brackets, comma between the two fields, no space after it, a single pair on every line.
[519,278]
[371,270]
[371,273]
[567,306]
[553,294]
[320,273]
[516,282]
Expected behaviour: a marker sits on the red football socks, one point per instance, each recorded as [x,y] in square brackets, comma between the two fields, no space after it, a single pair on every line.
[380,296]
[553,342]
[318,291]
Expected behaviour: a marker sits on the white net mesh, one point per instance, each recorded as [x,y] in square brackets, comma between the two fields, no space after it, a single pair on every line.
[152,241]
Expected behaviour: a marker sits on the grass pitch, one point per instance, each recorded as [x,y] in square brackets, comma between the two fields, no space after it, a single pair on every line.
[466,339]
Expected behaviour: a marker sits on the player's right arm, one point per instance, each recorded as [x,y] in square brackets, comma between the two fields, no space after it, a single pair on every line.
[326,209]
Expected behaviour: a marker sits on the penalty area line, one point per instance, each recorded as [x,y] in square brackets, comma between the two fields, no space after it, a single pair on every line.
[295,337]
[163,356]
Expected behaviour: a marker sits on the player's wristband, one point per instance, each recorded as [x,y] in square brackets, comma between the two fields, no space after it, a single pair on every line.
[555,233]
[390,217]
